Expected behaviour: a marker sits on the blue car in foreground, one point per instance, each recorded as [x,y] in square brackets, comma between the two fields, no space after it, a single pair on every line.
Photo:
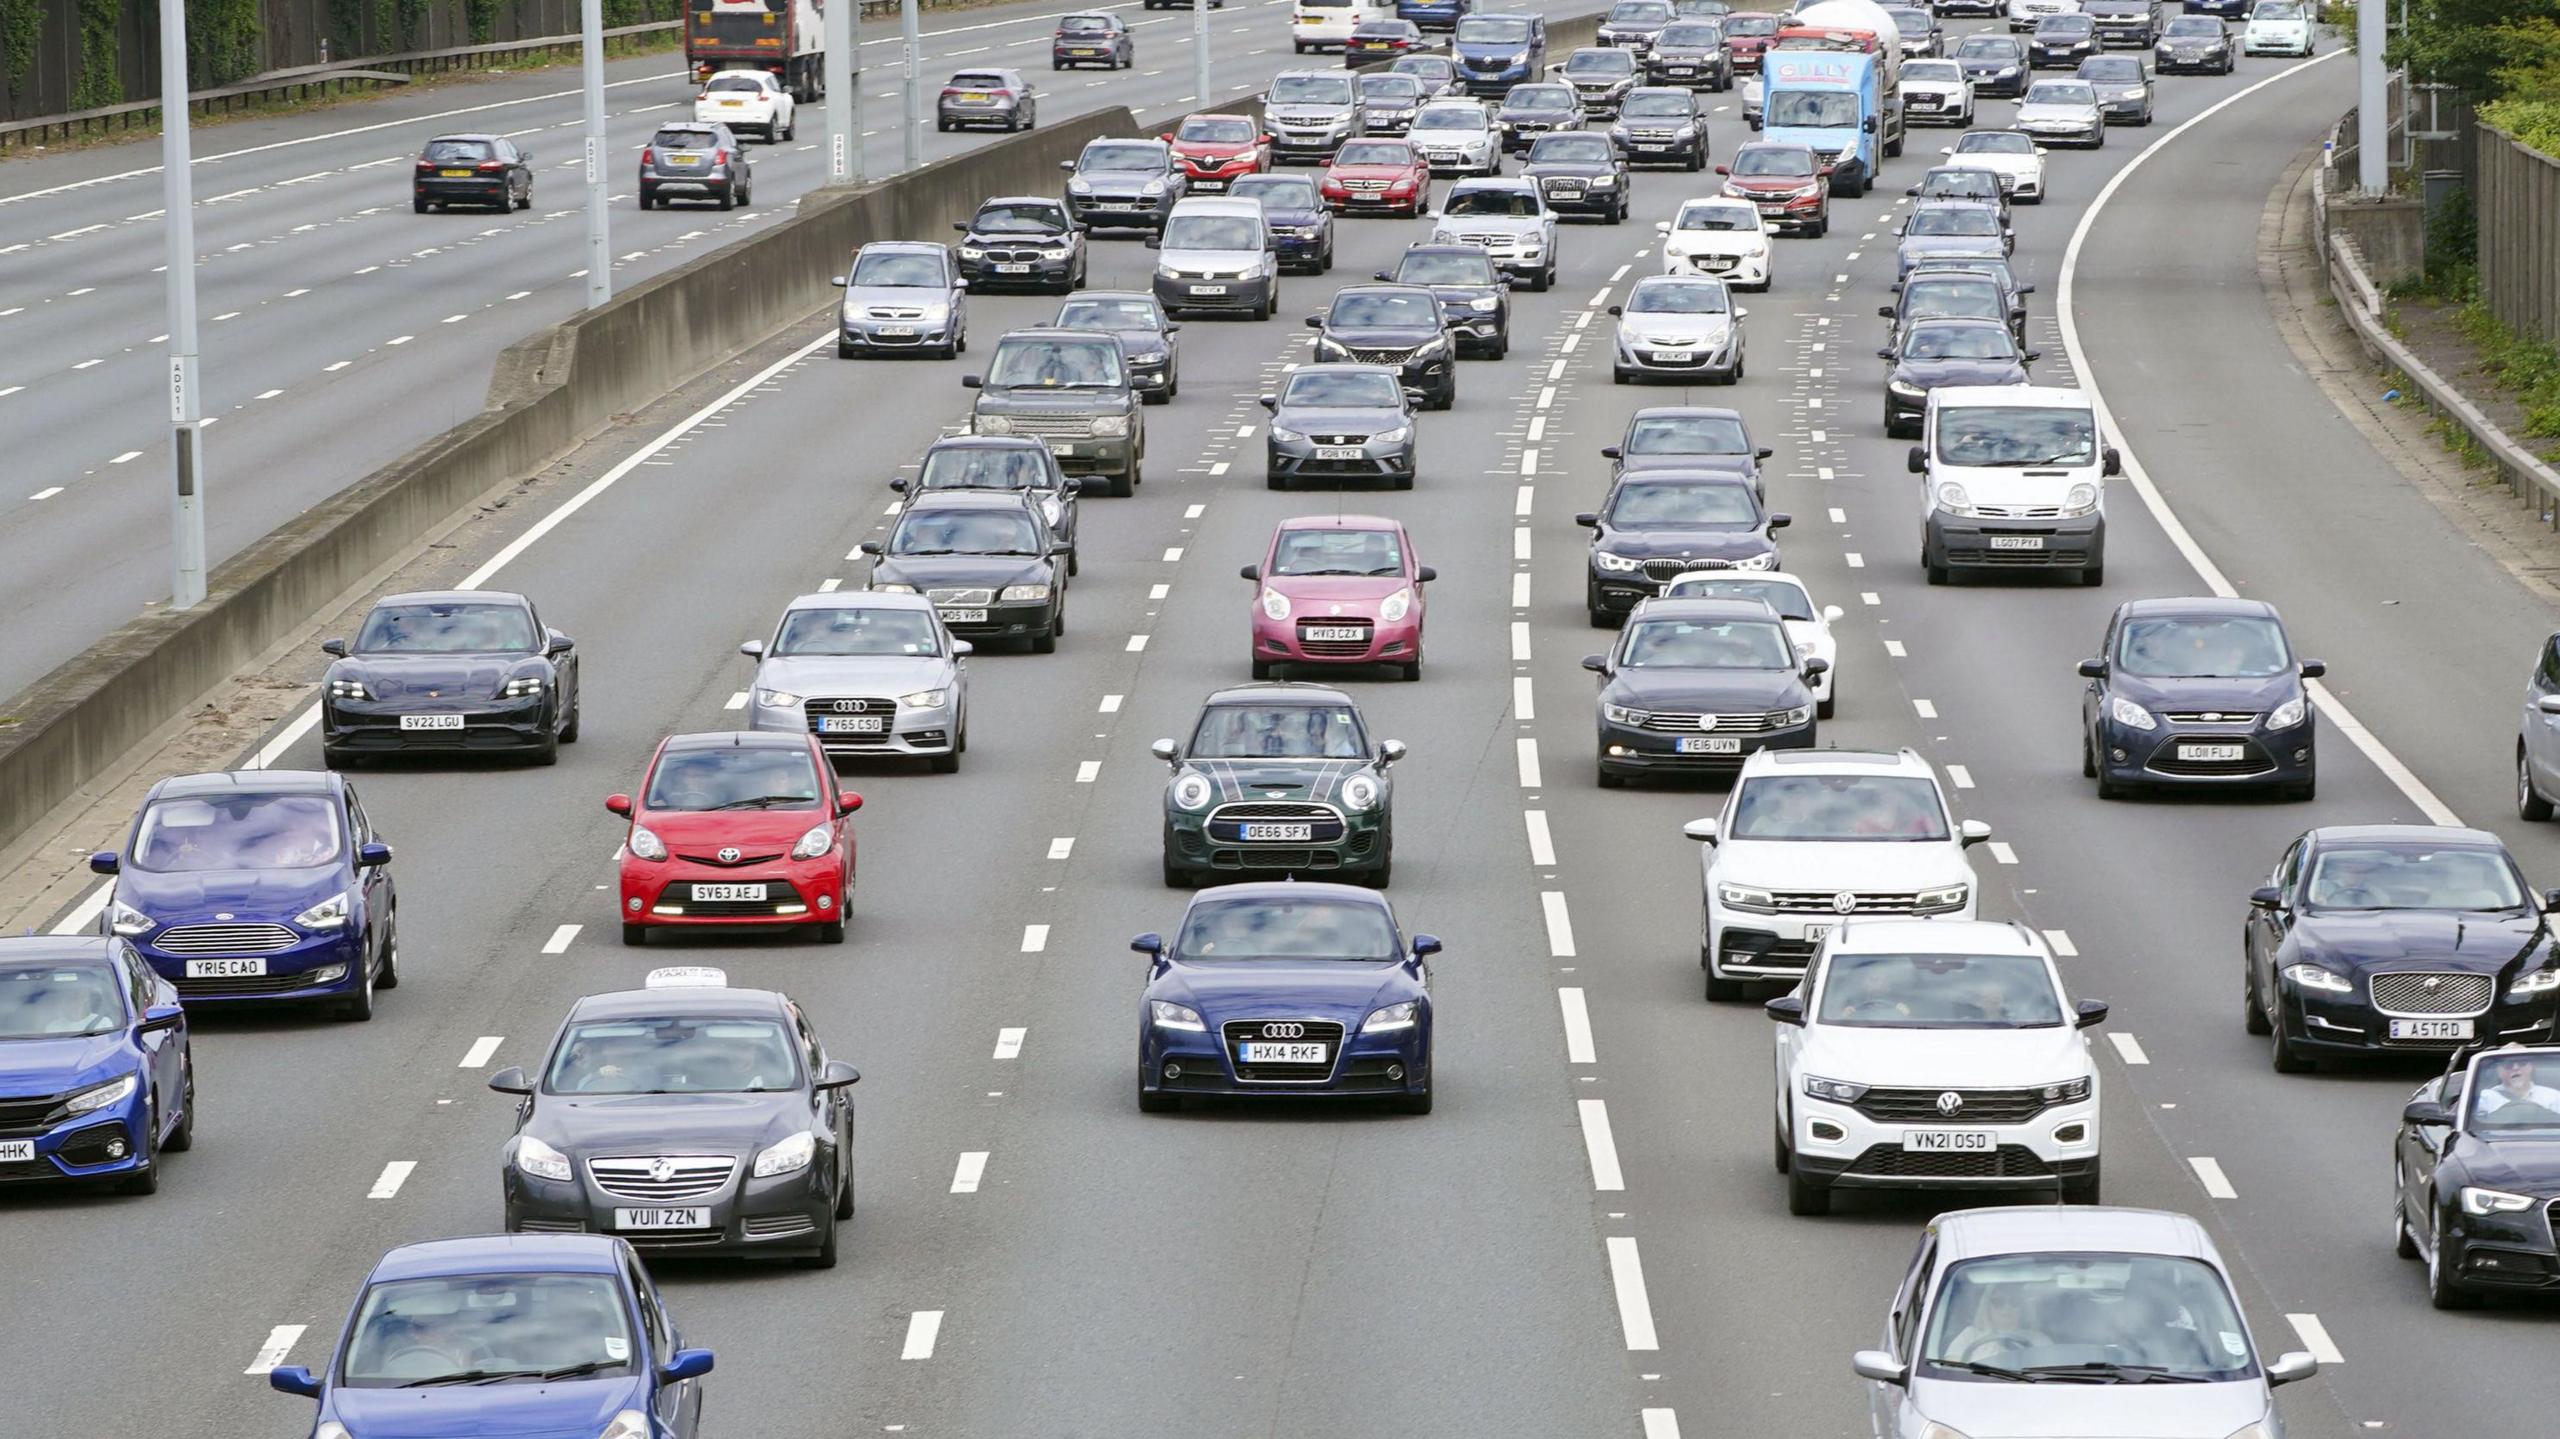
[1289,990]
[507,1336]
[96,1079]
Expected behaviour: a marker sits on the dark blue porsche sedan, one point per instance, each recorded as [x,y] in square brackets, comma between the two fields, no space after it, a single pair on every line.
[1286,989]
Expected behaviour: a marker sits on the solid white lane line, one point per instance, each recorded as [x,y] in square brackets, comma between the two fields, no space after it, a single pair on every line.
[1577,1028]
[1009,1043]
[923,1327]
[1542,844]
[973,1167]
[2128,1048]
[480,1051]
[1086,770]
[394,1174]
[2315,1335]
[2061,943]
[1035,938]
[2210,1175]
[1062,846]
[280,1341]
[1559,923]
[1635,1308]
[1529,779]
[1601,1145]
[1110,704]
[1962,776]
[1661,1423]
[2001,851]
[561,939]
[1925,709]
[1524,699]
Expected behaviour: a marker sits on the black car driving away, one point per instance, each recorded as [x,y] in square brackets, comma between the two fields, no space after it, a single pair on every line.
[987,559]
[1656,525]
[686,1117]
[694,160]
[2378,939]
[1696,686]
[2198,692]
[457,671]
[1580,172]
[1155,366]
[1403,327]
[2476,1174]
[1474,293]
[1931,353]
[1300,222]
[1095,38]
[1688,437]
[472,170]
[1025,241]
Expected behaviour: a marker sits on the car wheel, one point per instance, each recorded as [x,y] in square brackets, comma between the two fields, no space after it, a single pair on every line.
[1618,375]
[2093,575]
[182,1137]
[1779,1157]
[1601,775]
[359,1007]
[332,757]
[1822,708]
[389,976]
[2442,1290]
[418,206]
[2088,757]
[831,932]
[947,763]
[2083,1190]
[547,752]
[1807,1195]
[2280,1050]
[729,197]
[1263,669]
[1938,574]
[2403,1242]
[635,935]
[2529,801]
[1410,672]
[844,1195]
[1177,876]
[825,1258]
[2253,1013]
[146,1178]
[1044,644]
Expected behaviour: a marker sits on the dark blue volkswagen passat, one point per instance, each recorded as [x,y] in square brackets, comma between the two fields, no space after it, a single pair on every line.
[96,1077]
[2389,938]
[1659,524]
[266,885]
[1286,989]
[2198,692]
[453,670]
[1696,686]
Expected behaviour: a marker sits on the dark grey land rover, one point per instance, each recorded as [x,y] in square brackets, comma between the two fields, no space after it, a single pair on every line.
[1072,390]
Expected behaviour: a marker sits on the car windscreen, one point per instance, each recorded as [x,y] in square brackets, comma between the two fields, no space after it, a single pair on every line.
[2276,10]
[1640,12]
[1750,24]
[965,532]
[969,467]
[1690,35]
[2065,27]
[1392,87]
[1812,109]
[447,629]
[681,139]
[1909,21]
[52,1000]
[1600,64]
[733,777]
[1278,192]
[1057,364]
[2203,646]
[736,81]
[2112,69]
[900,269]
[1445,267]
[2515,1093]
[842,631]
[1539,99]
[1020,220]
[1783,161]
[1839,807]
[1449,117]
[1373,152]
[1286,929]
[1508,204]
[2060,92]
[1114,159]
[1790,602]
[482,1329]
[1492,30]
[1986,47]
[1572,149]
[1310,89]
[1956,299]
[2084,1317]
[1687,8]
[1084,25]
[1679,297]
[1959,183]
[195,833]
[2379,876]
[1954,220]
[1337,552]
[1373,310]
[977,80]
[458,152]
[1278,731]
[1130,314]
[1938,991]
[1945,72]
[1217,130]
[1706,645]
[1688,435]
[1656,107]
[674,1055]
[2203,27]
[1959,342]
[2016,435]
[1213,232]
[1708,215]
[1341,390]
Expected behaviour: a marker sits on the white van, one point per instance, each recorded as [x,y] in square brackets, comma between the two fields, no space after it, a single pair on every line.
[1326,24]
[2012,477]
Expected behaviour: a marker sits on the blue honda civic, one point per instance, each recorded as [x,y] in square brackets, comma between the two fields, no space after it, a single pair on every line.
[1286,989]
[266,885]
[507,1336]
[96,1079]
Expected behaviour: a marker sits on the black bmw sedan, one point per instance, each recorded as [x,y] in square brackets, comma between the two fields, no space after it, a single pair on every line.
[2198,692]
[1657,524]
[452,671]
[2394,938]
[1696,686]
[2476,1168]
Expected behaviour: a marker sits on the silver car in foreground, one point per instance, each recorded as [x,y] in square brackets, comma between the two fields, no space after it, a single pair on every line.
[868,673]
[902,296]
[2045,1320]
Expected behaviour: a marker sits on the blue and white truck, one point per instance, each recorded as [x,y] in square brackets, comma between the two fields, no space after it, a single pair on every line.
[1832,100]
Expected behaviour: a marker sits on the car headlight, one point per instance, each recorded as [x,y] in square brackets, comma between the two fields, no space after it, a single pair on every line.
[1359,792]
[893,588]
[1169,1015]
[1745,897]
[1327,347]
[1615,564]
[348,690]
[973,252]
[1275,605]
[330,1429]
[819,839]
[2006,70]
[2540,981]
[2312,976]
[2081,500]
[1396,436]
[1768,561]
[1059,253]
[330,913]
[1621,714]
[1191,792]
[521,686]
[1024,594]
[1444,237]
[2476,1200]
[1283,433]
[629,1424]
[99,1096]
[124,919]
[1604,182]
[1396,606]
[1484,304]
[2067,1091]
[1799,714]
[1943,900]
[540,1160]
[1838,1091]
[1907,390]
[2288,714]
[645,845]
[777,699]
[991,424]
[1432,349]
[1150,357]
[789,1155]
[2125,712]
[1079,187]
[1392,1017]
[925,699]
[1110,427]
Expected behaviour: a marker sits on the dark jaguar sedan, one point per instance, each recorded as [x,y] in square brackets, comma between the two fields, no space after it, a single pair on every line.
[987,559]
[1279,779]
[1931,353]
[449,670]
[1696,686]
[2392,938]
[1530,111]
[1286,990]
[1402,327]
[2476,1175]
[2202,692]
[1658,524]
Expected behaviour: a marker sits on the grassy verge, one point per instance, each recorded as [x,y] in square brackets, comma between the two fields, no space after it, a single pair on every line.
[2525,368]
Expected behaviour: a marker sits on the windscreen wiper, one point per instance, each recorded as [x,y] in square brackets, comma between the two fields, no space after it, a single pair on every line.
[761,801]
[2100,1371]
[472,1376]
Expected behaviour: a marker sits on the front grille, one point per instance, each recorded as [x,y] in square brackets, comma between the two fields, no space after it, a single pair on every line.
[87,1148]
[1052,427]
[2253,760]
[1716,724]
[880,313]
[2239,717]
[2429,995]
[1315,1031]
[687,1176]
[1981,1106]
[1672,569]
[241,986]
[1339,439]
[2018,512]
[1381,357]
[2009,1161]
[821,710]
[778,1226]
[1827,901]
[225,939]
[961,597]
[716,862]
[30,1114]
[1489,241]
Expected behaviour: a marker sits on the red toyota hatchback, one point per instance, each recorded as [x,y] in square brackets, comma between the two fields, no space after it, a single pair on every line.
[1382,175]
[737,829]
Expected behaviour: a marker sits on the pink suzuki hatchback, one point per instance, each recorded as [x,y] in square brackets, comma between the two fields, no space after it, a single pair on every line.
[1339,590]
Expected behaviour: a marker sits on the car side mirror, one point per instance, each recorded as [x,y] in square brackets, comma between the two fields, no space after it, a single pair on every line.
[1617,309]
[1781,520]
[1885,354]
[972,382]
[1390,750]
[1383,275]
[1425,575]
[752,649]
[1612,452]
[372,854]
[2314,669]
[2032,356]
[1425,945]
[2093,669]
[1172,329]
[1973,832]
[1587,520]
[1815,669]
[1153,243]
[837,281]
[1785,1009]
[960,225]
[1166,750]
[1271,403]
[1315,322]
[870,547]
[838,1075]
[293,1379]
[618,803]
[1884,312]
[1917,461]
[1704,831]
[1250,572]
[159,1017]
[962,648]
[686,1364]
[1724,169]
[334,647]
[105,861]
[848,803]
[1877,1365]
[2113,464]
[1067,165]
[1149,943]
[1762,453]
[2026,289]
[511,1080]
[2291,1368]
[556,644]
[2040,149]
[1662,227]
[2089,1013]
[2266,896]
[2425,1111]
[1914,190]
[898,486]
[1597,664]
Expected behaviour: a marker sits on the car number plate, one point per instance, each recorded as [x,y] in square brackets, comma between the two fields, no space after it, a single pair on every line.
[1671,357]
[683,157]
[1012,268]
[1259,1052]
[236,968]
[732,104]
[1652,147]
[1300,833]
[1709,744]
[964,617]
[1816,933]
[2017,542]
[1336,632]
[898,332]
[17,1151]
[733,893]
[2431,1029]
[430,721]
[1338,452]
[695,1218]
[974,96]
[2212,751]
[1208,289]
[1084,52]
[853,724]
[1949,1141]
[455,174]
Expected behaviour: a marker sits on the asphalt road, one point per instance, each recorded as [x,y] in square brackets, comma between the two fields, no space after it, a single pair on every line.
[1503,1265]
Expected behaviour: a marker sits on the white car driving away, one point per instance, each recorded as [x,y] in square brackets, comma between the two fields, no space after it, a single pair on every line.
[1808,626]
[1721,237]
[2010,154]
[1810,838]
[1934,1055]
[747,100]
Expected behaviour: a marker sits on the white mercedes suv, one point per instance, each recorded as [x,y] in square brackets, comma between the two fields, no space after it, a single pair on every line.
[1811,837]
[1934,1055]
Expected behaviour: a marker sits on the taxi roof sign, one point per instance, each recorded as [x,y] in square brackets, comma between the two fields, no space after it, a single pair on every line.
[687,976]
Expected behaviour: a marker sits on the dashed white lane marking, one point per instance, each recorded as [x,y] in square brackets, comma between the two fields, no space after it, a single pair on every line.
[829,586]
[736,701]
[1111,704]
[2210,1175]
[972,1168]
[2061,943]
[1962,776]
[1870,597]
[11,390]
[1635,1308]
[1195,512]
[1173,555]
[1035,938]
[85,364]
[1520,590]
[1086,770]
[126,458]
[1528,462]
[1925,709]
[269,394]
[1856,560]
[1577,1028]
[1601,1145]
[1137,643]
[923,1327]
[1559,923]
[335,368]
[1895,649]
[1520,543]
[1839,516]
[561,939]
[1601,296]
[2001,851]
[1009,1043]
[1524,699]
[394,1174]
[2128,1048]
[280,1342]
[399,339]
[2315,1337]
[1244,432]
[1542,843]
[1062,846]
[480,1051]
[1218,468]
[1526,498]
[1529,776]
[48,492]
[454,319]
[1537,428]
[1157,592]
[1519,639]
[1662,1423]
[1556,370]
[1546,396]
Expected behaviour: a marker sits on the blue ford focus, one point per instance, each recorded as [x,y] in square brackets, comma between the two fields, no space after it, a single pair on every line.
[507,1336]
[258,885]
[96,1079]
[1286,989]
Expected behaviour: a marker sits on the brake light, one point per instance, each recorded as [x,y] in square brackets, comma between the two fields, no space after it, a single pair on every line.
[720,156]
[648,155]
[426,164]
[493,164]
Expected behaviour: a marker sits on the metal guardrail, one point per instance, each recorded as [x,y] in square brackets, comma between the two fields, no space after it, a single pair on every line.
[2525,475]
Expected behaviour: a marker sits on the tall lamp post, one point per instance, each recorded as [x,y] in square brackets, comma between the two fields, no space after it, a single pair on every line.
[186,396]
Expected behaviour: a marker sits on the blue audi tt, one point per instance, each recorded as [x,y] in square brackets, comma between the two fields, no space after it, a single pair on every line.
[96,1079]
[1286,989]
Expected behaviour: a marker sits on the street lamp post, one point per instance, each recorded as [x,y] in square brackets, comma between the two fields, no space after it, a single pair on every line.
[186,396]
[1200,53]
[843,84]
[599,243]
[914,149]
